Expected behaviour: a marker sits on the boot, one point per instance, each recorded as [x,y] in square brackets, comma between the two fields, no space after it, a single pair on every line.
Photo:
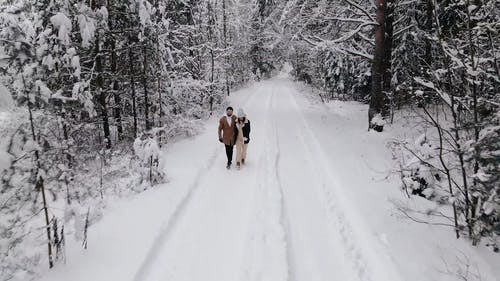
[243,161]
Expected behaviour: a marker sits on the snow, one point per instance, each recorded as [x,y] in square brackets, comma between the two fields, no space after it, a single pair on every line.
[103,12]
[444,96]
[75,63]
[471,8]
[144,13]
[6,105]
[147,148]
[45,92]
[75,90]
[314,202]
[378,120]
[63,23]
[87,30]
[48,61]
[6,102]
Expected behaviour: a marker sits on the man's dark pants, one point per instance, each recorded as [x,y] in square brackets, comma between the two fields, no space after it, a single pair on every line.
[229,154]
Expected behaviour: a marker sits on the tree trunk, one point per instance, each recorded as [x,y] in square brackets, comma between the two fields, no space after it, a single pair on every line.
[145,87]
[224,30]
[116,95]
[158,82]
[378,100]
[445,168]
[132,85]
[211,27]
[159,60]
[472,52]
[39,185]
[101,93]
[66,137]
[387,65]
[428,27]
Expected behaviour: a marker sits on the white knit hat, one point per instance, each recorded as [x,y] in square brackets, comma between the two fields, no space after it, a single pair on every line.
[241,113]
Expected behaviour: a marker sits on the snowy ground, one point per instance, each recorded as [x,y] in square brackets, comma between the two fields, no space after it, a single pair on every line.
[313,203]
[6,104]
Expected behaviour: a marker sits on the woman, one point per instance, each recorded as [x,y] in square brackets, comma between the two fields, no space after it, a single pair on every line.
[242,132]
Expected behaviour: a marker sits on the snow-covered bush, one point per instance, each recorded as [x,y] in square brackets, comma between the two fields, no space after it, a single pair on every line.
[420,174]
[377,123]
[457,170]
[486,153]
[147,150]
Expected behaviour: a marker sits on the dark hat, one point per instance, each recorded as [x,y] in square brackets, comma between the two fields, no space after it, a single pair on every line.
[229,108]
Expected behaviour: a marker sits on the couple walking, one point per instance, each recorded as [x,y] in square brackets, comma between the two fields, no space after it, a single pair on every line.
[235,130]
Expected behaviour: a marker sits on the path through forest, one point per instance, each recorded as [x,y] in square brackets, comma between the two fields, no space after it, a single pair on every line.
[307,206]
[270,220]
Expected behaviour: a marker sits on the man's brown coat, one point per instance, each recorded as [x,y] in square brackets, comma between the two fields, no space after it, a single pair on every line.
[226,131]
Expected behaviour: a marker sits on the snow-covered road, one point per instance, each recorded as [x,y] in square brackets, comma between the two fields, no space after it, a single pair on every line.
[305,207]
[270,220]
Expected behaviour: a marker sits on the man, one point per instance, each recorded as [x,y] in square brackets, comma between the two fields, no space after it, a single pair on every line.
[227,125]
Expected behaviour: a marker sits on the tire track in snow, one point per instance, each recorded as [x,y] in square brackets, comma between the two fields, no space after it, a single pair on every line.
[284,220]
[366,257]
[267,245]
[174,219]
[170,224]
[312,253]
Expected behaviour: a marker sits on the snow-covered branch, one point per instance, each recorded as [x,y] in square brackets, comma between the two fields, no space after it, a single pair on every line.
[354,20]
[361,9]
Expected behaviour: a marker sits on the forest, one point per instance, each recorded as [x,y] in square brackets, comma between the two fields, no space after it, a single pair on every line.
[99,87]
